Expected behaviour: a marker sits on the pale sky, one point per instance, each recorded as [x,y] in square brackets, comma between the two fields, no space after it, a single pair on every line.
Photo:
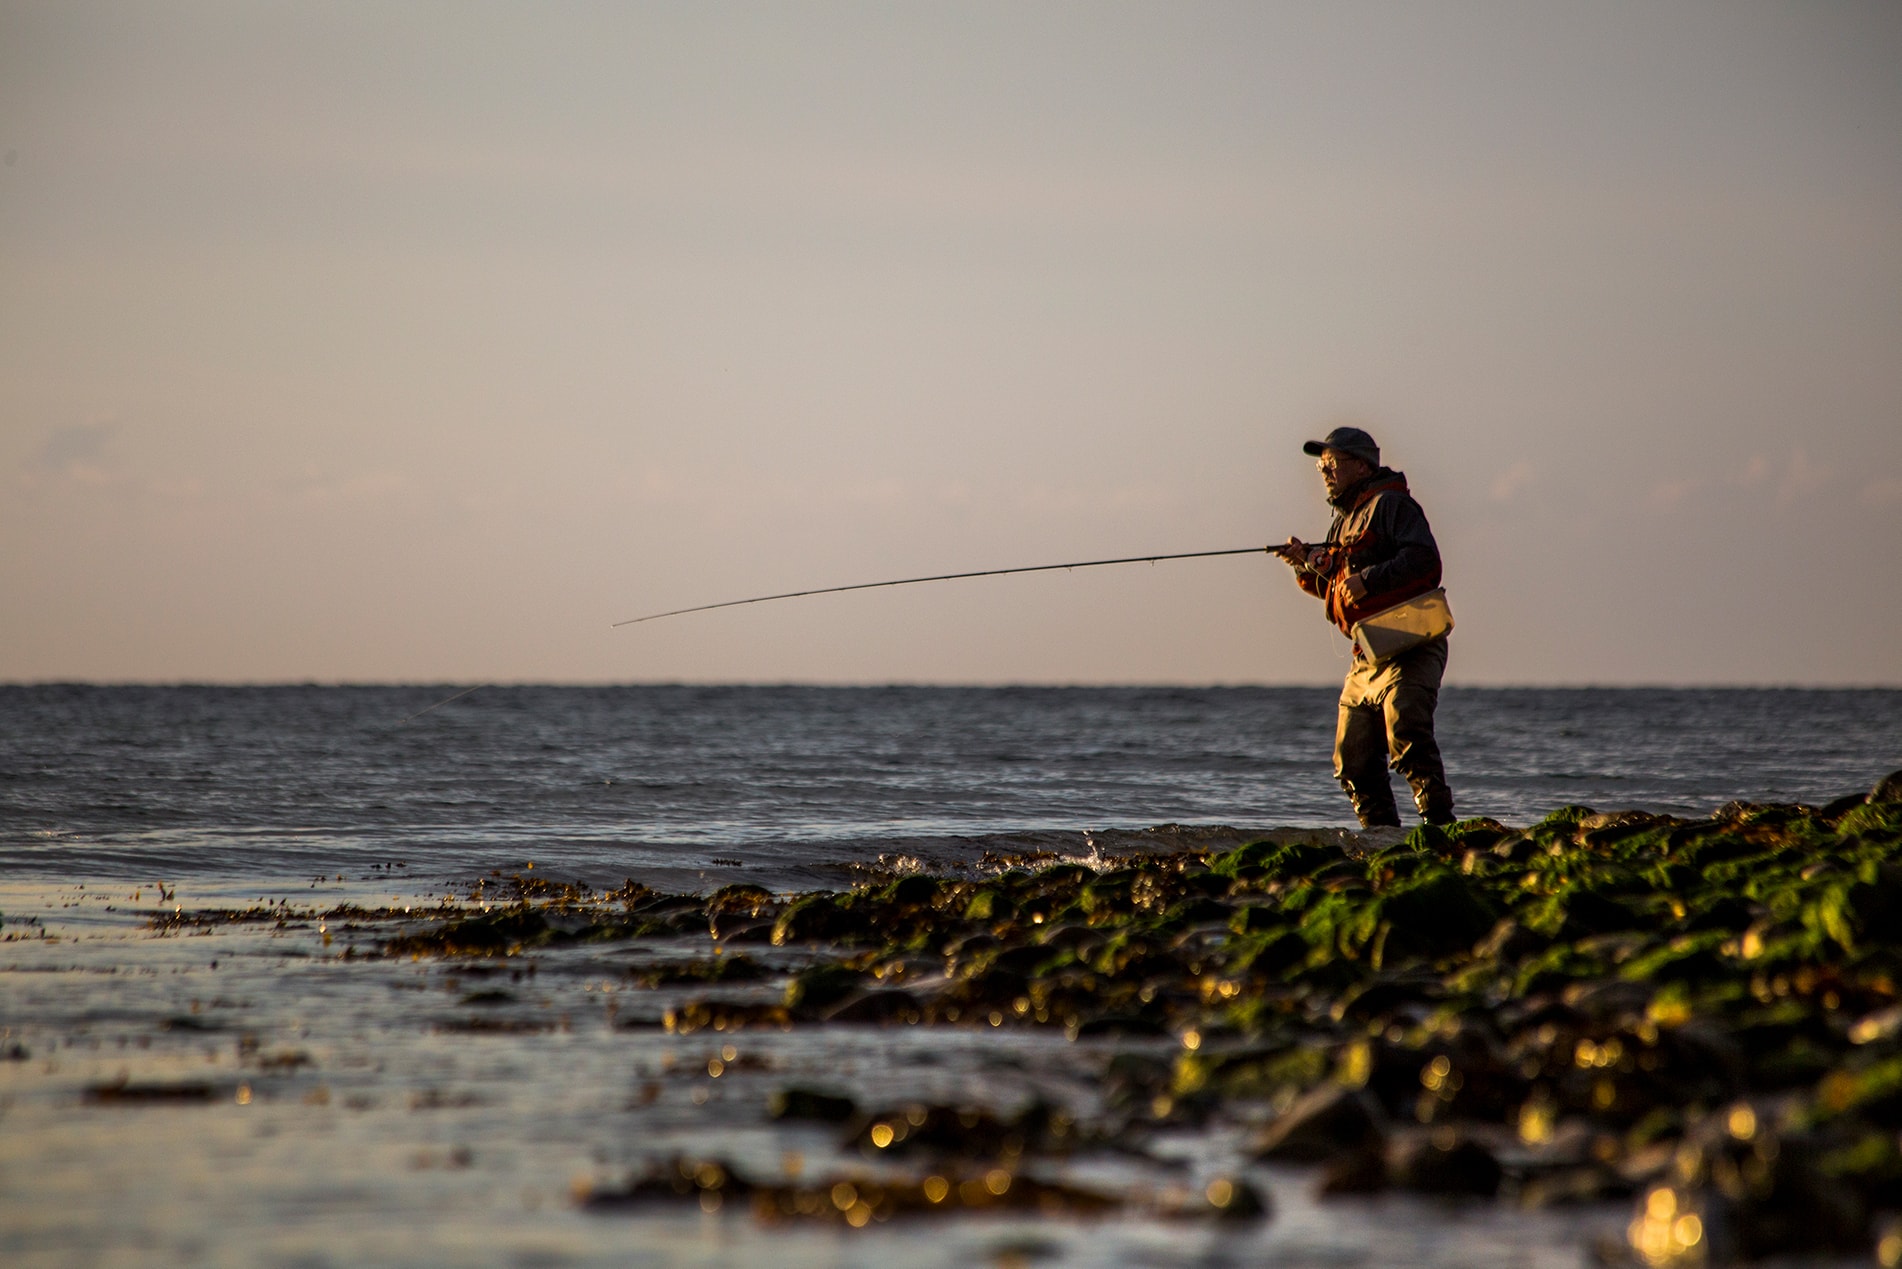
[423,341]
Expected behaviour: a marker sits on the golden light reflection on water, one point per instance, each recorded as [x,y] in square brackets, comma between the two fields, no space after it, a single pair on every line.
[1535,1122]
[1666,1233]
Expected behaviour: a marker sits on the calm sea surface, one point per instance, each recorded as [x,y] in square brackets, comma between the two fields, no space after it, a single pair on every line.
[277,781]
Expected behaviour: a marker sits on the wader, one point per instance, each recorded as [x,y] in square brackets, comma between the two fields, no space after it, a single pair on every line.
[1387,713]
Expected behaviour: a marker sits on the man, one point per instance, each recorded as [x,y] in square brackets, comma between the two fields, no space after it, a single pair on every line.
[1379,552]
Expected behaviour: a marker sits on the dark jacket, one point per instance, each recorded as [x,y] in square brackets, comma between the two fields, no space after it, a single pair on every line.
[1381,535]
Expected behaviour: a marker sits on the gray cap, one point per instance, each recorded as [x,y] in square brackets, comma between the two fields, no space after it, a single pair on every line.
[1349,440]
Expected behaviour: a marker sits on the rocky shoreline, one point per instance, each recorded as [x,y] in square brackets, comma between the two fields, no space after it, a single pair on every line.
[1699,1018]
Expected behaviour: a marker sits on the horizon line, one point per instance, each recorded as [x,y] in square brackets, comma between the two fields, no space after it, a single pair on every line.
[987,685]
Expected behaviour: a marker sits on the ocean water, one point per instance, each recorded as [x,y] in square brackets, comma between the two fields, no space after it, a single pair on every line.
[656,782]
[320,1104]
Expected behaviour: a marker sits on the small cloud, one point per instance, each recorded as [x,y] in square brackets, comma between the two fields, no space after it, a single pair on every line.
[315,487]
[1885,492]
[1671,493]
[1802,477]
[1754,473]
[78,452]
[1509,482]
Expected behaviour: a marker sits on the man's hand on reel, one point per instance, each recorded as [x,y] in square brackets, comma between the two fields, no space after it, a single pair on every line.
[1304,557]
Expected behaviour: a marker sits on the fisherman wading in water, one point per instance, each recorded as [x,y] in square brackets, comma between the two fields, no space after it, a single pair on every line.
[1379,553]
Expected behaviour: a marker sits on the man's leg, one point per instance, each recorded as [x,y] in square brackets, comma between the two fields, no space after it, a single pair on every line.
[1408,708]
[1360,751]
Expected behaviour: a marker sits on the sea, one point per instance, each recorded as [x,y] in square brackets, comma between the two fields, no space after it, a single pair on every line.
[341,1110]
[656,781]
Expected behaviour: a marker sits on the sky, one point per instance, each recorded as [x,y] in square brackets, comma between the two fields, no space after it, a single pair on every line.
[422,342]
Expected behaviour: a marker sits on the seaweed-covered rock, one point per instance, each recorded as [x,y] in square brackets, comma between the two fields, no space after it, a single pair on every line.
[739,899]
[814,918]
[881,1005]
[1329,1121]
[911,891]
[1277,859]
[965,1132]
[809,1103]
[815,990]
[1436,915]
[1444,1161]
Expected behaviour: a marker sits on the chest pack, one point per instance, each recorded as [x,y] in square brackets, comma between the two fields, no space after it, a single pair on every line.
[1384,635]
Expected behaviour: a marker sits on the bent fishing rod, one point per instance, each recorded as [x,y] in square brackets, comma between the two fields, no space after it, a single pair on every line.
[902,581]
[939,577]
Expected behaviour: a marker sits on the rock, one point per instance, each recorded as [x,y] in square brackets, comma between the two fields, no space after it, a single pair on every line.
[1277,859]
[883,1005]
[1431,839]
[124,1093]
[1564,1187]
[739,900]
[817,916]
[491,934]
[1234,1199]
[989,905]
[809,1103]
[1838,807]
[709,1181]
[818,989]
[1329,1121]
[1279,953]
[1197,910]
[911,891]
[962,954]
[1070,938]
[1510,941]
[1440,914]
[1588,912]
[1773,1194]
[724,1015]
[1362,1170]
[1443,1161]
[1118,1024]
[1888,788]
[967,1132]
[735,927]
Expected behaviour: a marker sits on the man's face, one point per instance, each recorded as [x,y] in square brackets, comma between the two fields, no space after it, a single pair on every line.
[1340,470]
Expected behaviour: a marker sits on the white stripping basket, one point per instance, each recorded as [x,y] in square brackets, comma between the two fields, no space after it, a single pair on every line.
[1392,631]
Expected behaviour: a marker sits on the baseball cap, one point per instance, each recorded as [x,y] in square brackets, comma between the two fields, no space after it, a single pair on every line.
[1349,440]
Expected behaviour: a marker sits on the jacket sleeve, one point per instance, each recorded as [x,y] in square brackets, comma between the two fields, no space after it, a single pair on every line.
[1415,560]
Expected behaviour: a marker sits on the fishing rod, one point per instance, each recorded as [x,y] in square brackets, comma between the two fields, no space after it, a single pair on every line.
[902,581]
[940,577]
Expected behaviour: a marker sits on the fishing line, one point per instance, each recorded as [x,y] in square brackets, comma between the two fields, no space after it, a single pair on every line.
[444,701]
[902,581]
[940,577]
